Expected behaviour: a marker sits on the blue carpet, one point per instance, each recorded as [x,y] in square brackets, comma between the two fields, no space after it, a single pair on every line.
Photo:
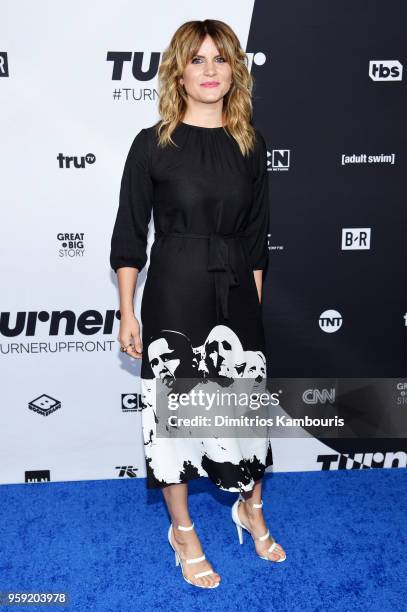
[104,542]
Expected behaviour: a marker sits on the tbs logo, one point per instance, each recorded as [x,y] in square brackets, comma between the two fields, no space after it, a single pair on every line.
[385,70]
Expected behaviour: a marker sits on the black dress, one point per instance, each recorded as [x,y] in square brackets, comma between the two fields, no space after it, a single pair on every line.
[200,312]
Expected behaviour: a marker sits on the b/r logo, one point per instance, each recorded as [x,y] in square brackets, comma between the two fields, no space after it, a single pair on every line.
[385,70]
[356,238]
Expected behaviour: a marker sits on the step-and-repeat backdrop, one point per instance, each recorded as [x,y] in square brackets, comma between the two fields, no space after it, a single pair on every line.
[78,81]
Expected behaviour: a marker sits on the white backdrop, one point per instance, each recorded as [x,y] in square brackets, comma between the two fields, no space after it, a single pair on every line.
[57,102]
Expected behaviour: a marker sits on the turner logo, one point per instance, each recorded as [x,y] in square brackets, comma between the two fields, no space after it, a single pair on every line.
[385,70]
[66,161]
[44,404]
[132,402]
[138,64]
[37,476]
[356,238]
[143,66]
[363,461]
[280,160]
[3,64]
[57,322]
[315,396]
[330,321]
[126,470]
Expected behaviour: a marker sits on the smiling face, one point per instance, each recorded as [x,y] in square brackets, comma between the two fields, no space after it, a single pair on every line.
[207,76]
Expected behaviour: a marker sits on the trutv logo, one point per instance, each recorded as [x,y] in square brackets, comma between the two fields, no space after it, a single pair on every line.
[385,70]
[75,161]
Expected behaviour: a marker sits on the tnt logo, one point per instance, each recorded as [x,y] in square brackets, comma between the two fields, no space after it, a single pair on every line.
[44,404]
[385,70]
[280,160]
[3,64]
[356,238]
[330,321]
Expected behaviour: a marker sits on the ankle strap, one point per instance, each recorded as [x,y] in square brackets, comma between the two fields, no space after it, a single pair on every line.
[182,528]
[260,505]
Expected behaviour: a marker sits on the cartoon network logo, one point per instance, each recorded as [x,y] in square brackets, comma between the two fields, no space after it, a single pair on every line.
[278,160]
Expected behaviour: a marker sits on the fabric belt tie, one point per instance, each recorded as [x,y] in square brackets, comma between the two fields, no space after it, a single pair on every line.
[225,275]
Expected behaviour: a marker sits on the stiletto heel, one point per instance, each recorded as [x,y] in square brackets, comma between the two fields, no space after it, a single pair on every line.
[178,561]
[240,526]
[239,533]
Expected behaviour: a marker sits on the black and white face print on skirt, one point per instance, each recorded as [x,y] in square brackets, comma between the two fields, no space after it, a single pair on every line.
[171,356]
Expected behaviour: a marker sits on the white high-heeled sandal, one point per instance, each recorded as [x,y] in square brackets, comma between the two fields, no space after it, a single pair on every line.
[178,561]
[240,527]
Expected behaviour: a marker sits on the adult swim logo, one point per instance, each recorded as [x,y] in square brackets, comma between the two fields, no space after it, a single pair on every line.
[143,66]
[330,321]
[71,244]
[3,64]
[32,331]
[385,70]
[364,159]
[75,161]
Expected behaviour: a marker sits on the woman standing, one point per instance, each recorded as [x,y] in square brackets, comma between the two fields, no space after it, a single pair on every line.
[202,172]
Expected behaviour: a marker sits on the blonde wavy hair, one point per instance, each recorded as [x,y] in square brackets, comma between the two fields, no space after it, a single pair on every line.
[237,103]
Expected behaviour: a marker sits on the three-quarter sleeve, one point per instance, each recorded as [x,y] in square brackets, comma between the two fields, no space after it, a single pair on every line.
[258,223]
[129,237]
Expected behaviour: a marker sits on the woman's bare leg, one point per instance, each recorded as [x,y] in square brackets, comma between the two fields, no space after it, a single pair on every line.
[253,519]
[186,543]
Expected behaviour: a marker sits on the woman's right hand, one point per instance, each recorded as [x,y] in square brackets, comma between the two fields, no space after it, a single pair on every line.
[129,333]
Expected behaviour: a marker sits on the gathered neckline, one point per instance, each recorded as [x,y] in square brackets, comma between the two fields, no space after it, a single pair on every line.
[200,127]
